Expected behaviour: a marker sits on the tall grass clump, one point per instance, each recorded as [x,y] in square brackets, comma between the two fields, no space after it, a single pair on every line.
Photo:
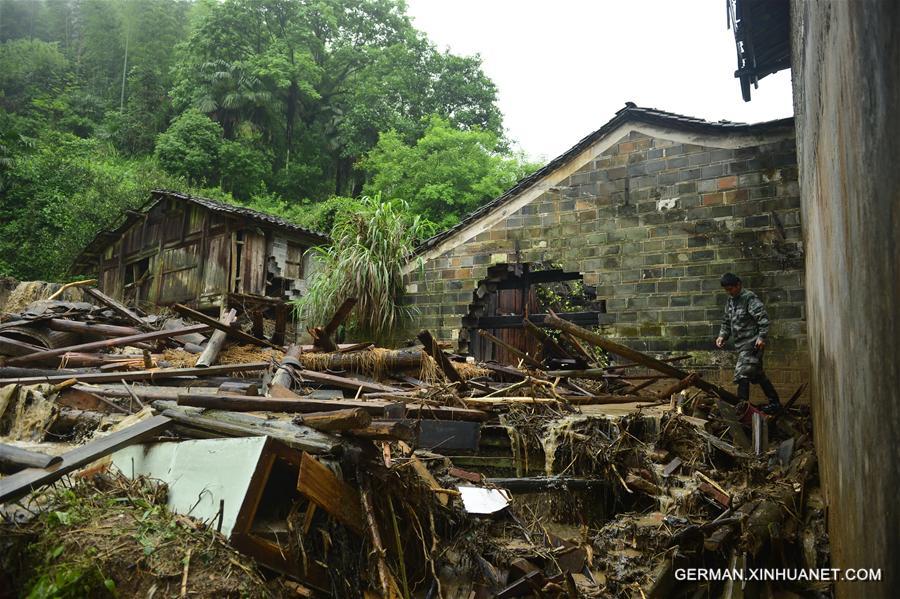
[370,246]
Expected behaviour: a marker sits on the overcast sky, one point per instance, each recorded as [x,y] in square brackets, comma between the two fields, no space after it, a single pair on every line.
[564,67]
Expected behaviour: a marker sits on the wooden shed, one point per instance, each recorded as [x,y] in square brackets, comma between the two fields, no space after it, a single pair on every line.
[192,250]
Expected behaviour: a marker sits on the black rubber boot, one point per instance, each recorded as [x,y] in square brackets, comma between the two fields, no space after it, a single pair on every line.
[743,390]
[774,405]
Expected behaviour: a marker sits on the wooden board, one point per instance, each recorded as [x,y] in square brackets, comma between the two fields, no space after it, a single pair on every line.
[138,375]
[330,493]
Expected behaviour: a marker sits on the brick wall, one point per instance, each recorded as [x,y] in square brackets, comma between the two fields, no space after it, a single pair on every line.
[653,223]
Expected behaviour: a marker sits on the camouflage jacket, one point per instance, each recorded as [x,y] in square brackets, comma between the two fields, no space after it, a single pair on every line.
[745,320]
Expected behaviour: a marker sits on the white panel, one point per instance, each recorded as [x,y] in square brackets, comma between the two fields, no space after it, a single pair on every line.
[199,473]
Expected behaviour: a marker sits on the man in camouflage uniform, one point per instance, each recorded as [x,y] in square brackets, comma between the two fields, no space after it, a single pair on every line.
[746,321]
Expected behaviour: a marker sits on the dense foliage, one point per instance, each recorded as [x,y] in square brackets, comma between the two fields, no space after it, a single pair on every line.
[280,105]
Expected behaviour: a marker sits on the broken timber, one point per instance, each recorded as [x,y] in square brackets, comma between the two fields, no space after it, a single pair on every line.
[216,341]
[333,495]
[636,356]
[443,362]
[231,331]
[137,375]
[106,343]
[21,483]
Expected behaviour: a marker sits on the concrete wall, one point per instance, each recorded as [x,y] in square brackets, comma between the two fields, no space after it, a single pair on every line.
[652,221]
[847,102]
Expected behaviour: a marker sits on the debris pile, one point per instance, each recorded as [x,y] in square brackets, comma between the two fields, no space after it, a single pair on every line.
[348,470]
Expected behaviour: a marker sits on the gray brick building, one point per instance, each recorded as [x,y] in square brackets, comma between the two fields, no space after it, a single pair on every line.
[646,213]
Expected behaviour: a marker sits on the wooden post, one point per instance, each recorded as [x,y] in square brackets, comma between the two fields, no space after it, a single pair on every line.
[216,341]
[283,374]
[281,313]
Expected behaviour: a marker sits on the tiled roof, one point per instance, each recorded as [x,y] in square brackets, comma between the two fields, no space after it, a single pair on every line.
[261,217]
[630,113]
[100,242]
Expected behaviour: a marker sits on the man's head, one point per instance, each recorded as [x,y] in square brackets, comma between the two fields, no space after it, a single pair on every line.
[731,283]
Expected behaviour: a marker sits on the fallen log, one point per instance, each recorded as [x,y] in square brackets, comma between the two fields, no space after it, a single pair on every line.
[106,343]
[13,459]
[216,341]
[636,356]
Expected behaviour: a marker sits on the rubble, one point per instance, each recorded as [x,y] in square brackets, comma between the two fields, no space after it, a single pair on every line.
[404,472]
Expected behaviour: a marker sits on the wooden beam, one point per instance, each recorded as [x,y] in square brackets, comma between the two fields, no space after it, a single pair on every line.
[433,350]
[343,382]
[636,356]
[231,331]
[244,425]
[549,344]
[116,306]
[137,375]
[20,484]
[322,487]
[88,328]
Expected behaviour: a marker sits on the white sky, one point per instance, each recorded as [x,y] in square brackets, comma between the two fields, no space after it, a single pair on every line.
[564,67]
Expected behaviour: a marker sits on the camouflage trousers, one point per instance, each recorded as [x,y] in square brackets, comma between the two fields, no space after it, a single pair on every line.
[749,365]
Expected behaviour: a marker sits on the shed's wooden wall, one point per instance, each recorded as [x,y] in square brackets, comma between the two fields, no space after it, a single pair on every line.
[185,253]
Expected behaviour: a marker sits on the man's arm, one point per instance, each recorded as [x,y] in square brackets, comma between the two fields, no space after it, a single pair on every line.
[758,310]
[725,328]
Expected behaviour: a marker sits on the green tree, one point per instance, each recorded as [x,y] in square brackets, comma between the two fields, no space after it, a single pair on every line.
[60,193]
[444,175]
[32,75]
[190,148]
[321,79]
